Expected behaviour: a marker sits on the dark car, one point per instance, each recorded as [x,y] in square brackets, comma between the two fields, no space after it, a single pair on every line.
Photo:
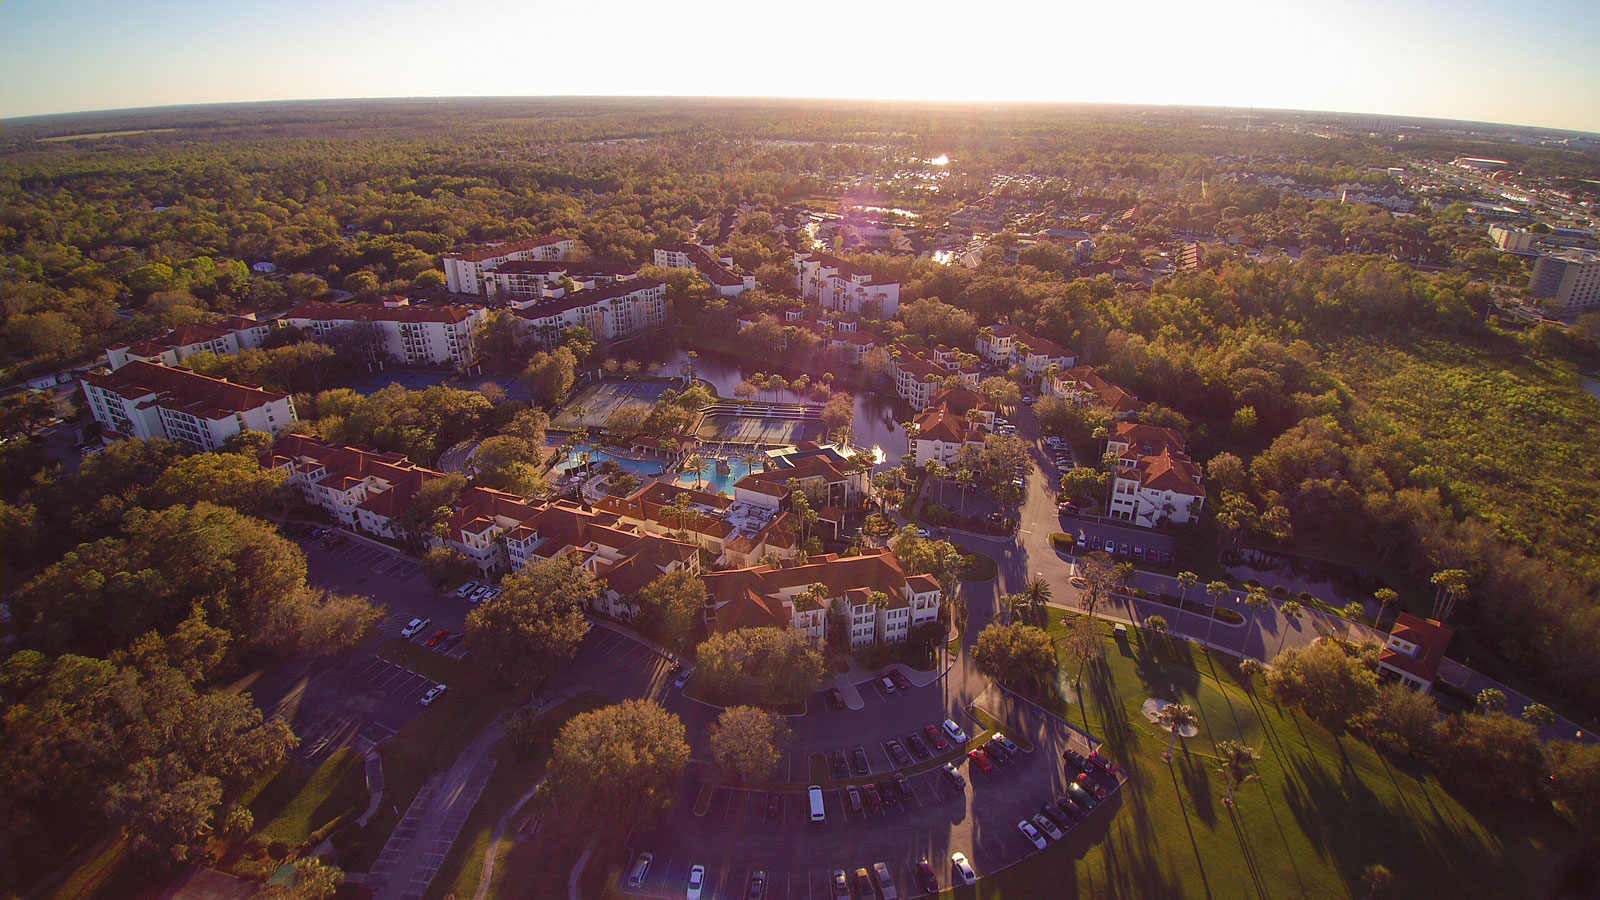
[1079,795]
[451,642]
[858,759]
[996,751]
[874,799]
[837,763]
[864,883]
[852,796]
[1103,764]
[758,886]
[897,752]
[1073,762]
[925,874]
[900,679]
[774,804]
[836,698]
[954,777]
[1070,809]
[1055,815]
[1089,784]
[1166,558]
[890,793]
[918,748]
[902,784]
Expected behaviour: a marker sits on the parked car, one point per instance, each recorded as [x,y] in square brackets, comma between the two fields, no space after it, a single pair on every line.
[1044,824]
[466,590]
[1079,795]
[1152,555]
[1068,509]
[433,694]
[841,885]
[887,684]
[758,886]
[1032,834]
[954,731]
[641,865]
[1074,762]
[684,674]
[697,882]
[885,882]
[936,737]
[1103,764]
[863,884]
[1138,552]
[438,636]
[980,759]
[917,747]
[852,796]
[451,642]
[902,785]
[1166,558]
[1096,543]
[479,594]
[1071,809]
[874,799]
[1089,784]
[955,778]
[1063,820]
[963,869]
[897,752]
[838,765]
[1008,743]
[900,679]
[836,698]
[858,761]
[925,874]
[995,752]
[889,793]
[924,533]
[414,626]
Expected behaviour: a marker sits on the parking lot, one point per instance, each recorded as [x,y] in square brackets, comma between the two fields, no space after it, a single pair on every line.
[365,697]
[737,835]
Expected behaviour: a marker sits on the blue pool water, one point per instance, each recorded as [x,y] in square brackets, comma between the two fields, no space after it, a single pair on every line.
[639,467]
[712,482]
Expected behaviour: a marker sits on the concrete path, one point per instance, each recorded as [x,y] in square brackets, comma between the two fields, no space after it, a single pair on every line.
[500,827]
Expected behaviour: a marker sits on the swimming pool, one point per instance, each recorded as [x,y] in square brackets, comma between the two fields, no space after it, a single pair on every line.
[711,481]
[640,467]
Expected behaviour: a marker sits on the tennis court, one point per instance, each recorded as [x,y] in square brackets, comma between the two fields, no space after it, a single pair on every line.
[734,428]
[591,406]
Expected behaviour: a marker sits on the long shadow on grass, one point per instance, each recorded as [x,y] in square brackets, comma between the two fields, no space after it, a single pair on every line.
[1164,668]
[1197,781]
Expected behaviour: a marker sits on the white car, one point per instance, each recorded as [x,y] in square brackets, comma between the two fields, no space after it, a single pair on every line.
[433,694]
[414,626]
[1048,827]
[954,731]
[466,590]
[1032,834]
[924,533]
[1008,743]
[697,881]
[479,595]
[963,869]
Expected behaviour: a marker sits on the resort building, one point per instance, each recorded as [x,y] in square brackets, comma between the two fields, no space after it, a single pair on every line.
[609,311]
[359,486]
[463,272]
[1154,480]
[842,286]
[870,597]
[1413,651]
[1008,345]
[821,471]
[737,533]
[522,283]
[718,271]
[398,332]
[223,337]
[1083,386]
[145,399]
[955,418]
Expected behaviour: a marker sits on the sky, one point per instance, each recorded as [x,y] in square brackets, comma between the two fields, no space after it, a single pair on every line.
[1530,62]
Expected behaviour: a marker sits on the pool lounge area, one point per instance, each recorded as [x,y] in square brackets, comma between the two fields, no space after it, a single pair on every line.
[643,468]
[711,480]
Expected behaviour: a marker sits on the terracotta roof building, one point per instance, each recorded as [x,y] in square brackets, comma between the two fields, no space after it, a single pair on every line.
[1155,481]
[1413,651]
[1008,345]
[842,286]
[145,399]
[399,332]
[223,337]
[463,272]
[360,486]
[718,271]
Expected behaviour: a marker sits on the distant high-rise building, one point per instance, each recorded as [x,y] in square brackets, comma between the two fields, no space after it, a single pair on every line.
[1568,281]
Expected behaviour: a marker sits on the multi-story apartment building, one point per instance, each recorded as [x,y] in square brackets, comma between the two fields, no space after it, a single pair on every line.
[410,335]
[1568,282]
[821,470]
[871,594]
[718,271]
[223,337]
[1008,345]
[1511,240]
[463,272]
[736,533]
[609,311]
[842,286]
[145,399]
[1083,386]
[920,372]
[1154,480]
[955,418]
[360,487]
[522,283]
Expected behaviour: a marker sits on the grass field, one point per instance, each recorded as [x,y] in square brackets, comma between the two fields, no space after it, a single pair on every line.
[1324,808]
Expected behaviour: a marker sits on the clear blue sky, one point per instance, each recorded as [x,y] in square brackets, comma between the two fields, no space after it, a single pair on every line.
[1530,62]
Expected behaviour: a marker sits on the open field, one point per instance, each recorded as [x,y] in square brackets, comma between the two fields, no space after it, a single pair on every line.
[102,134]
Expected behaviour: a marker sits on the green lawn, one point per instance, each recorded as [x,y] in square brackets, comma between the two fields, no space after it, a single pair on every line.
[1325,806]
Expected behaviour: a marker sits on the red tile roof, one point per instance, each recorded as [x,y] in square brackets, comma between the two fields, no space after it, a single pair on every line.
[1430,636]
[508,248]
[182,390]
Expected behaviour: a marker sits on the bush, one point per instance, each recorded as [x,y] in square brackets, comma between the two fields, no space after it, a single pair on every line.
[1063,542]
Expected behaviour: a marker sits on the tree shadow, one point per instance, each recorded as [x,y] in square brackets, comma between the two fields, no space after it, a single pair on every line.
[1197,780]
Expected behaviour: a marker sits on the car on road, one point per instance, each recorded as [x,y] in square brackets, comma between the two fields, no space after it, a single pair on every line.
[900,679]
[1089,784]
[852,796]
[918,749]
[841,885]
[1032,834]
[641,865]
[836,698]
[837,764]
[936,737]
[438,636]
[1068,509]
[963,869]
[697,882]
[926,875]
[1079,795]
[774,804]
[684,674]
[758,886]
[954,731]
[955,778]
[1010,745]
[433,694]
[887,684]
[414,626]
[902,784]
[980,759]
[897,752]
[858,761]
[1044,824]
[874,799]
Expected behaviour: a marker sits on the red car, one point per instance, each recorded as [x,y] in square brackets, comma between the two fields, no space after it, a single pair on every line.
[936,737]
[981,760]
[438,636]
[874,799]
[1088,784]
[1105,765]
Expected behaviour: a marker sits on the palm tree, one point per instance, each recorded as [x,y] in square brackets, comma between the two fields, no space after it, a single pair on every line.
[1386,598]
[1037,593]
[1352,611]
[1237,762]
[1216,590]
[1157,625]
[1291,611]
[1450,586]
[1123,575]
[1251,669]
[696,462]
[936,470]
[967,480]
[1175,717]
